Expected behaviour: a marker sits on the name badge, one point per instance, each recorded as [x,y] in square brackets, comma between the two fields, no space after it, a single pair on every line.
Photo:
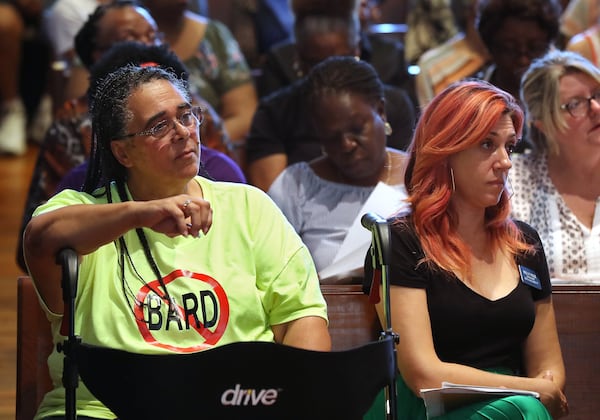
[529,277]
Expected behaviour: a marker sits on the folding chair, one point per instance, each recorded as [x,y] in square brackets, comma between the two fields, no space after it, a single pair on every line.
[246,380]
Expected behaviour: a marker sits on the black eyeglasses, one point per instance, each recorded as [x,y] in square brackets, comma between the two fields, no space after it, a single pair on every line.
[190,118]
[579,106]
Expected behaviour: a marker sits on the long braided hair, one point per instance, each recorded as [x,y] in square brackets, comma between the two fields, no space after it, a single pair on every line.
[110,117]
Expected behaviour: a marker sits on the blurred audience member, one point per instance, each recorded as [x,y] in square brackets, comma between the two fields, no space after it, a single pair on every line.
[323,197]
[430,23]
[578,16]
[324,29]
[557,185]
[217,69]
[515,32]
[258,25]
[461,56]
[19,19]
[62,20]
[281,133]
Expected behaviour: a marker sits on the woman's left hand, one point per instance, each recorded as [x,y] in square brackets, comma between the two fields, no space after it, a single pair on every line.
[552,397]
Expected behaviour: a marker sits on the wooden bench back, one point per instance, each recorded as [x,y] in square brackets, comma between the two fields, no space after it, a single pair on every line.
[352,322]
[34,345]
[577,311]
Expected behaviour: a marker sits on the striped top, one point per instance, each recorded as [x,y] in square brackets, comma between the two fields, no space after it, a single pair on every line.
[450,62]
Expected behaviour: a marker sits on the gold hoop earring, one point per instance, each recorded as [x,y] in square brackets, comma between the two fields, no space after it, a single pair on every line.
[388,128]
[452,180]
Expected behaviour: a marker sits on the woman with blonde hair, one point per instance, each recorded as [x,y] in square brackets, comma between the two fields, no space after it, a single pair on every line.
[557,185]
[470,292]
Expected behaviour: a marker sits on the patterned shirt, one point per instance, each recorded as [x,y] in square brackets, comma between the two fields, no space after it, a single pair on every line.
[572,249]
[218,65]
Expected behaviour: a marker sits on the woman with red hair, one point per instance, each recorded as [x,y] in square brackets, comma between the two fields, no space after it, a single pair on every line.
[470,291]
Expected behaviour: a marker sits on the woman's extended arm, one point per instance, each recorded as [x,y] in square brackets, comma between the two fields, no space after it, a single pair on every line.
[86,227]
[262,172]
[237,109]
[542,354]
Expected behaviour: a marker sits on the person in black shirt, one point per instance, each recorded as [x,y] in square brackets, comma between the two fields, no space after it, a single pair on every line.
[470,291]
[280,133]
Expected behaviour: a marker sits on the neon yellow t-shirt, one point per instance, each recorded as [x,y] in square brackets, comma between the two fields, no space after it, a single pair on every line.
[249,272]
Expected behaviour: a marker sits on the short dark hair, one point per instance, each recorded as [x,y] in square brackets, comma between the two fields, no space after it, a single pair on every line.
[316,17]
[492,13]
[343,74]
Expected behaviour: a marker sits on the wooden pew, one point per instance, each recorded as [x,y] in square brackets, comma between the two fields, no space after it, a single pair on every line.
[578,321]
[352,319]
[34,344]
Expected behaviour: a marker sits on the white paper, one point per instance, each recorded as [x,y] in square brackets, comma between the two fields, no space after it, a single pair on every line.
[384,201]
[450,396]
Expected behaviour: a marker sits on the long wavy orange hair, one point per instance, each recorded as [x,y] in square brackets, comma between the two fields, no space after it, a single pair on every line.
[458,118]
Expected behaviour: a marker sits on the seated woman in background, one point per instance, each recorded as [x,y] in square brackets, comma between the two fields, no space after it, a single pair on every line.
[515,32]
[281,134]
[323,197]
[218,70]
[557,186]
[313,33]
[470,292]
[155,235]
